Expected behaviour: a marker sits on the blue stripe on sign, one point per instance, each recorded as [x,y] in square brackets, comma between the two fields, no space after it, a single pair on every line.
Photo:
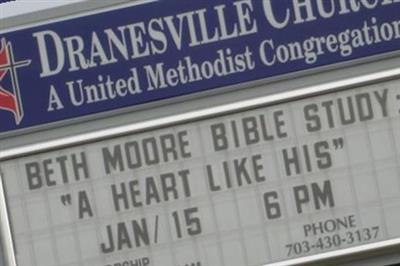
[3,1]
[164,49]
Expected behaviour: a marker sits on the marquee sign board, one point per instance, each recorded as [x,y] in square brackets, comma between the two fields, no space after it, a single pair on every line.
[149,51]
[252,187]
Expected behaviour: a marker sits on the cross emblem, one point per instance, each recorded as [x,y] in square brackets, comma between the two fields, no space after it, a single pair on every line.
[10,100]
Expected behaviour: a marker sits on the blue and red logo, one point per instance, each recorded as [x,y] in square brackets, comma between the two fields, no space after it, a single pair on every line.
[10,96]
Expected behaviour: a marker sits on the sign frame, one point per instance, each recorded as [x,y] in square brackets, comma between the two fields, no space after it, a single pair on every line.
[169,120]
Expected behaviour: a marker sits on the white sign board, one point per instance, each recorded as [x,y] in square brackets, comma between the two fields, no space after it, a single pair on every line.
[249,188]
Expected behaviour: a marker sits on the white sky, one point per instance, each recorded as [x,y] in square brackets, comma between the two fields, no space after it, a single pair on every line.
[26,6]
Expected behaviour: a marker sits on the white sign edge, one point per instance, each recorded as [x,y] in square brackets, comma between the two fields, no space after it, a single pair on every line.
[6,238]
[64,13]
[208,112]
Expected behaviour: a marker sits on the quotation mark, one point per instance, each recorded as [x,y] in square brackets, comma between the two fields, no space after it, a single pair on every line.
[398,98]
[338,143]
[66,199]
